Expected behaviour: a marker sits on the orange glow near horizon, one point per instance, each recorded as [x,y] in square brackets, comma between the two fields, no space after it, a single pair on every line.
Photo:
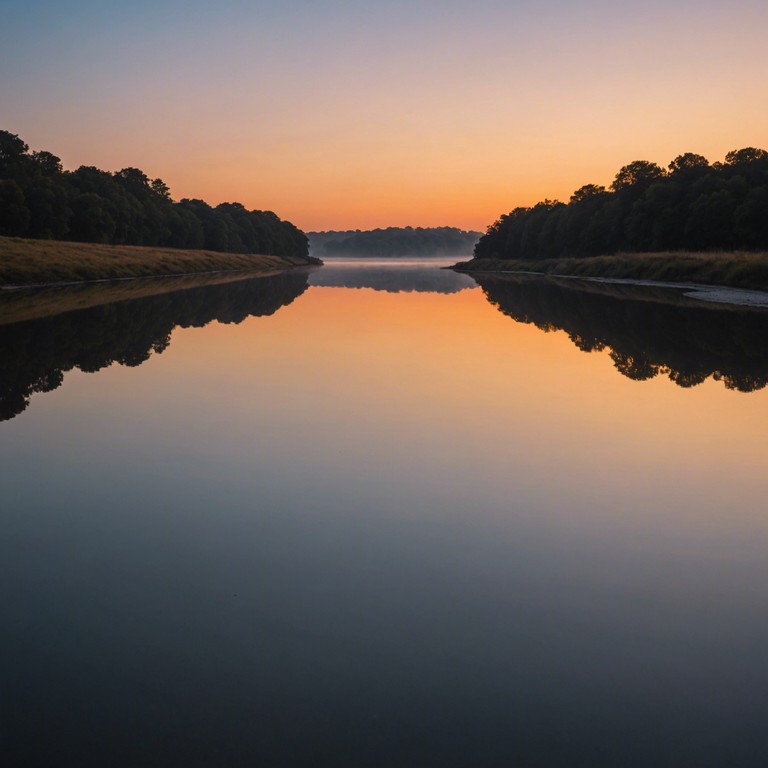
[421,192]
[411,114]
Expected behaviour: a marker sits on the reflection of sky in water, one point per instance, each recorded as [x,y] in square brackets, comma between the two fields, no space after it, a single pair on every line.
[378,528]
[392,275]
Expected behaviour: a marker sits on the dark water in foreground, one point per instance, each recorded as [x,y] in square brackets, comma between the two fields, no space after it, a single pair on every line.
[384,516]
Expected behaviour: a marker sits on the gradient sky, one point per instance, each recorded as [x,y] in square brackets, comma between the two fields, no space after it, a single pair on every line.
[338,114]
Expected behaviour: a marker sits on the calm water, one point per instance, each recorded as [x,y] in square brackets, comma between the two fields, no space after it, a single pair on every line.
[381,515]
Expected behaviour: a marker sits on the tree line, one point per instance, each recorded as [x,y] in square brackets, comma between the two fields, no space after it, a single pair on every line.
[395,241]
[39,199]
[691,205]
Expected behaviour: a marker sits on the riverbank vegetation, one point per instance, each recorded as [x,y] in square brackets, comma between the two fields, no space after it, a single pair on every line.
[26,262]
[394,241]
[696,218]
[738,270]
[39,199]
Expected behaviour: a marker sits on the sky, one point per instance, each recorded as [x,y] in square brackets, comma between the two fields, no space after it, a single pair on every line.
[342,115]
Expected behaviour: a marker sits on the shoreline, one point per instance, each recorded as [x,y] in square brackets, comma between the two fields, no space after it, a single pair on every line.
[714,294]
[246,271]
[737,278]
[27,263]
[32,303]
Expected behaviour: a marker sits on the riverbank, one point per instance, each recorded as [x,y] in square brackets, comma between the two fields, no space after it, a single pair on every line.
[733,270]
[26,262]
[35,303]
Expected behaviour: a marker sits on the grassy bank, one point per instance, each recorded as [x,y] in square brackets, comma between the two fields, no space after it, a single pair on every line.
[41,262]
[736,270]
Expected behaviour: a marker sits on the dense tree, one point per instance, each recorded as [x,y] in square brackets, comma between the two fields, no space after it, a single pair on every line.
[586,192]
[395,241]
[91,222]
[638,173]
[50,211]
[13,156]
[46,163]
[161,189]
[14,213]
[744,156]
[39,199]
[751,218]
[694,206]
[687,162]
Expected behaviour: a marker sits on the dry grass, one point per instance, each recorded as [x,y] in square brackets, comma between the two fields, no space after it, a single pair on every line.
[736,269]
[42,262]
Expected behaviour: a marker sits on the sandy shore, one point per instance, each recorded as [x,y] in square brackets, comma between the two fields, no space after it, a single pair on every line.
[718,294]
[714,294]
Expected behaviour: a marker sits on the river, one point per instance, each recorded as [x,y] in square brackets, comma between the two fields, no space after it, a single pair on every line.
[383,514]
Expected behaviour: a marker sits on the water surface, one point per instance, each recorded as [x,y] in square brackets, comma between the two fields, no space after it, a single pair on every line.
[358,517]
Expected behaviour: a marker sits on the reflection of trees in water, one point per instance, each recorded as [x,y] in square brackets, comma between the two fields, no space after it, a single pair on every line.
[34,355]
[648,332]
[394,278]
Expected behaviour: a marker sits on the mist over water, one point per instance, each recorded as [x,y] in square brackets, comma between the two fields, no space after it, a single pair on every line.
[392,275]
[384,514]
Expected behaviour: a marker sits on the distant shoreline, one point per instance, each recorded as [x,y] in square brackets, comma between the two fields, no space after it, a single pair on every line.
[27,263]
[741,270]
[394,242]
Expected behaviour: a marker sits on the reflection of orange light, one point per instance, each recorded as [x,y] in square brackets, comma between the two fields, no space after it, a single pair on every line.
[358,382]
[458,355]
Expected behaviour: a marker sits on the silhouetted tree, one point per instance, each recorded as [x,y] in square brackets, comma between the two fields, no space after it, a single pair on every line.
[13,156]
[91,222]
[744,156]
[696,206]
[14,214]
[39,199]
[640,172]
[50,213]
[46,163]
[396,241]
[587,192]
[687,162]
[160,188]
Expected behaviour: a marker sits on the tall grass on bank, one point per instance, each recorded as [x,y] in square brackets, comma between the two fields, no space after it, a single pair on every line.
[40,262]
[736,270]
